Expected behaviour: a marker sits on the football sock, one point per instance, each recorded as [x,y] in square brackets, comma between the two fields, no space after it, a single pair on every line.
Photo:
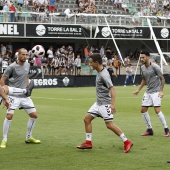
[1,99]
[162,119]
[30,126]
[16,91]
[123,137]
[89,136]
[6,127]
[146,119]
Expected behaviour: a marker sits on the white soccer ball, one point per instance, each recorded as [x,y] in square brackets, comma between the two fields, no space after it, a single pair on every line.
[38,51]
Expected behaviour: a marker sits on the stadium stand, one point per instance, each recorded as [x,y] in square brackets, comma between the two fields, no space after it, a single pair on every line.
[118,15]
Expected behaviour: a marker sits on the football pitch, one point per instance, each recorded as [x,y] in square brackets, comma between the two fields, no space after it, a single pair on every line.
[60,128]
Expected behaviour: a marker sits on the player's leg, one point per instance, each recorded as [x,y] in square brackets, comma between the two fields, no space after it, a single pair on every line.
[107,115]
[8,119]
[88,128]
[146,102]
[6,127]
[92,113]
[28,106]
[18,91]
[127,143]
[157,103]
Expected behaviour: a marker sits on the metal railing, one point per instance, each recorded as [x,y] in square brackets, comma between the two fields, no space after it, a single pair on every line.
[81,18]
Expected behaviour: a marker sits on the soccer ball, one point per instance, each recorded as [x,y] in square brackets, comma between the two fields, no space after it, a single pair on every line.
[38,51]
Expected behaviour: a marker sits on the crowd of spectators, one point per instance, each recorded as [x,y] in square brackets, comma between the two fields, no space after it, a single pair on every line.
[152,8]
[65,60]
[42,8]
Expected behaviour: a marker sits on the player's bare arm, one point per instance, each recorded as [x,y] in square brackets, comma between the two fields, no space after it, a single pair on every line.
[113,96]
[162,79]
[143,82]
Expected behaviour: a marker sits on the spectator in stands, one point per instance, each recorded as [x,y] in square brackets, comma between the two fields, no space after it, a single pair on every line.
[92,48]
[102,51]
[86,55]
[153,2]
[35,9]
[166,13]
[52,5]
[62,64]
[92,2]
[104,61]
[153,7]
[126,60]
[129,71]
[5,62]
[43,13]
[56,65]
[130,54]
[111,71]
[147,11]
[70,64]
[20,3]
[108,52]
[136,54]
[124,6]
[134,18]
[31,60]
[6,12]
[80,52]
[50,53]
[62,49]
[41,2]
[68,13]
[86,3]
[78,65]
[50,66]
[3,50]
[116,64]
[19,11]
[44,63]
[146,2]
[166,4]
[57,52]
[88,10]
[12,12]
[159,14]
[93,9]
[9,49]
[118,3]
[77,2]
[81,6]
[26,2]
[139,15]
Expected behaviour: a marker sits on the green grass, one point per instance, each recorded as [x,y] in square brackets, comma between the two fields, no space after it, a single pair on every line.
[60,127]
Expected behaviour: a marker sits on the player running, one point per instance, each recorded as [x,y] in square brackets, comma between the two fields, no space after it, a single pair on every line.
[105,105]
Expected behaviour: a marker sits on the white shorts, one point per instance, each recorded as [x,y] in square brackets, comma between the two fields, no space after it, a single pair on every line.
[22,103]
[151,99]
[101,111]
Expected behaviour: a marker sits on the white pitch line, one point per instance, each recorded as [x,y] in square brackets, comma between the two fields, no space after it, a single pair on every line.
[49,98]
[61,98]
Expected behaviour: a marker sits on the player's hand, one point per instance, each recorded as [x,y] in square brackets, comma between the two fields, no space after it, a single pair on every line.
[6,104]
[113,108]
[136,92]
[161,94]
